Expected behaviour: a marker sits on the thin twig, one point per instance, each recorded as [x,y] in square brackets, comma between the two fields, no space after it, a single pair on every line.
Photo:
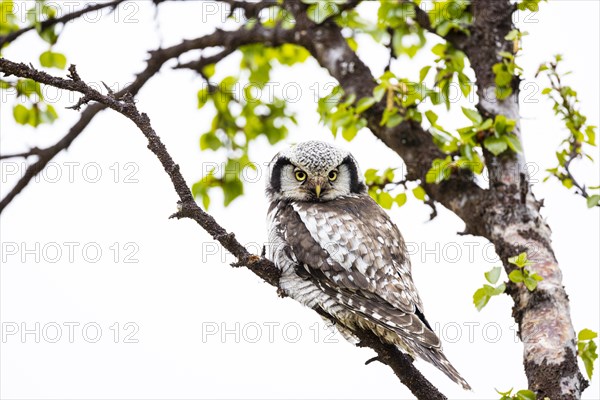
[53,21]
[34,151]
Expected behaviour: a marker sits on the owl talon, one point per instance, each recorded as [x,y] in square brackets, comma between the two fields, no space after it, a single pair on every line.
[370,360]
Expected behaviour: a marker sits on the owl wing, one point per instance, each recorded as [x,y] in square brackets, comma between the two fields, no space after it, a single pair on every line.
[350,248]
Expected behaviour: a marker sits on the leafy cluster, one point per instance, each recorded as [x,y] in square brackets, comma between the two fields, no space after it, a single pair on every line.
[258,60]
[496,136]
[522,274]
[449,71]
[381,183]
[398,18]
[451,15]
[339,113]
[507,69]
[39,12]
[31,109]
[582,136]
[519,275]
[587,349]
[242,116]
[505,72]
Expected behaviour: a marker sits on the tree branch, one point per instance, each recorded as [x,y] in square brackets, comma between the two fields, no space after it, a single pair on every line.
[509,216]
[188,208]
[34,151]
[53,21]
[202,62]
[229,39]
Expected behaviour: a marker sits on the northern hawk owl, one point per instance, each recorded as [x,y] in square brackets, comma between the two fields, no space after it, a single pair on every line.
[340,253]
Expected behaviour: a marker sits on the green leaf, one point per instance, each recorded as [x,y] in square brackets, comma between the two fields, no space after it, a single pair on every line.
[506,54]
[485,293]
[530,283]
[520,260]
[500,124]
[588,354]
[203,97]
[516,276]
[586,334]
[512,35]
[480,298]
[439,49]
[50,59]
[492,275]
[350,131]
[568,183]
[379,92]
[440,170]
[593,200]
[419,193]
[385,200]
[49,35]
[400,199]
[423,73]
[591,134]
[209,70]
[21,114]
[587,350]
[322,10]
[231,189]
[495,145]
[487,124]
[388,174]
[364,104]
[473,115]
[34,116]
[210,141]
[49,115]
[370,175]
[28,87]
[352,43]
[431,117]
[513,142]
[394,120]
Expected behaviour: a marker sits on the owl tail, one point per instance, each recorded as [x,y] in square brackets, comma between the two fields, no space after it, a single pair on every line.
[438,359]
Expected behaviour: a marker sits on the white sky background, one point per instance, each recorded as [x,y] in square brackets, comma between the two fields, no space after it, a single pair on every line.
[179,291]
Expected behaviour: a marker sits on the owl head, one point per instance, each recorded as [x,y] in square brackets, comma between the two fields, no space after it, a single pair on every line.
[314,171]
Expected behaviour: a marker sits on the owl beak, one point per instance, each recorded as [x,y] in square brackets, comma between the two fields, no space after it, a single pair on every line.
[316,185]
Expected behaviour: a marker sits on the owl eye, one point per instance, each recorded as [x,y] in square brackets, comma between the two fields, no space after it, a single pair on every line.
[332,175]
[300,175]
